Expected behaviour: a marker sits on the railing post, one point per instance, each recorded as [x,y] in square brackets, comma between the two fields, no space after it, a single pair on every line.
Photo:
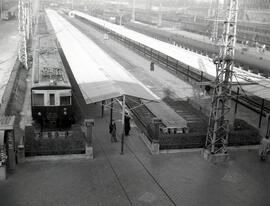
[188,73]
[89,124]
[261,113]
[201,79]
[236,105]
[155,140]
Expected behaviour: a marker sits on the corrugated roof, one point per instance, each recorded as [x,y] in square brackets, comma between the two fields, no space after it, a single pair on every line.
[97,74]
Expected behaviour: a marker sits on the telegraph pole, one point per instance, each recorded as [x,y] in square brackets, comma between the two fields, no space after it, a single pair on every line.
[214,34]
[218,125]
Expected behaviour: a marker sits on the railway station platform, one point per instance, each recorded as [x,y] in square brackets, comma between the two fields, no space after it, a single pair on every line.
[245,55]
[137,177]
[162,81]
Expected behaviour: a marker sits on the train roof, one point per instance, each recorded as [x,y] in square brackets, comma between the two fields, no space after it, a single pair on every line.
[48,69]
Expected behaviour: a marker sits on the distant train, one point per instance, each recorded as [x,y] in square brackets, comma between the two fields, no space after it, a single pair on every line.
[51,93]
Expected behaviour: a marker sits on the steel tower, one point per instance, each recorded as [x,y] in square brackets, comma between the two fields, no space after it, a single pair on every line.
[25,29]
[218,126]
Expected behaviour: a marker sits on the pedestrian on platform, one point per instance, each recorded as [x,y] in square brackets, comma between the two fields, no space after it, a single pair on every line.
[127,124]
[264,148]
[113,132]
[152,66]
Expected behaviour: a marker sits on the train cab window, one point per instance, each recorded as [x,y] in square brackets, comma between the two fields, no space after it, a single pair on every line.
[38,99]
[65,100]
[52,100]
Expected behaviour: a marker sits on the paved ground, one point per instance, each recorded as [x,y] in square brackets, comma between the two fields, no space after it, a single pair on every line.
[138,178]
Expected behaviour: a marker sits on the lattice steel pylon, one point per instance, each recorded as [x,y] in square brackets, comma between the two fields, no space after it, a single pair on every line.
[215,8]
[29,19]
[23,33]
[218,126]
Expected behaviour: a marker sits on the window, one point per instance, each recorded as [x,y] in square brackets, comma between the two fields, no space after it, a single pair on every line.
[65,100]
[52,100]
[38,99]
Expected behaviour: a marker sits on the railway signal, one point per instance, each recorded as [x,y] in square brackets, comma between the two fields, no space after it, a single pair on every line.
[218,126]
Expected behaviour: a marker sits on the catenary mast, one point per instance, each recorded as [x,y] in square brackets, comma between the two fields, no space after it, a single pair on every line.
[218,126]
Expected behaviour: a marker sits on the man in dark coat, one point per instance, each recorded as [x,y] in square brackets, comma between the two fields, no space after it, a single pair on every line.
[127,124]
[113,132]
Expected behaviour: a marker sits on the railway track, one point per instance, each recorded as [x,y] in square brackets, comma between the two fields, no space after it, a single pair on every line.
[181,70]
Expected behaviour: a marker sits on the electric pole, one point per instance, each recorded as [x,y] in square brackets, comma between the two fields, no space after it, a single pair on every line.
[218,126]
[214,34]
[25,29]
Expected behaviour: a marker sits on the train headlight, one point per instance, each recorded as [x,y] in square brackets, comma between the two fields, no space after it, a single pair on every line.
[39,114]
[65,113]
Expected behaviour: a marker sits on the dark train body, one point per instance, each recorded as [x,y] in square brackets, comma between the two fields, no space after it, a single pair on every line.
[51,93]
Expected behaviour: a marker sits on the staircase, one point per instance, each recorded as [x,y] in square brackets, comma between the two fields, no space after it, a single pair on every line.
[197,122]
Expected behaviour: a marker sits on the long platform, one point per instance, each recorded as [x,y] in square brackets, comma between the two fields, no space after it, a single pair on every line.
[99,76]
[193,60]
[248,56]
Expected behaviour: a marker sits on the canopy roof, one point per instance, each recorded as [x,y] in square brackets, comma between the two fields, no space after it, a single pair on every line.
[97,74]
[255,84]
[261,89]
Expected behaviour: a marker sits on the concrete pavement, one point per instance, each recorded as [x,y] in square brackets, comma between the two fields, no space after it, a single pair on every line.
[138,178]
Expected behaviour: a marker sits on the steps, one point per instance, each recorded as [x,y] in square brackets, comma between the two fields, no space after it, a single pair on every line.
[197,122]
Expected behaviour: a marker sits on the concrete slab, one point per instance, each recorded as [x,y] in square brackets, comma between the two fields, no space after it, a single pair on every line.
[138,178]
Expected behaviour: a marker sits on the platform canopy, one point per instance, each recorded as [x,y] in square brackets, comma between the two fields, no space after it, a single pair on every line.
[261,89]
[192,59]
[98,75]
[251,83]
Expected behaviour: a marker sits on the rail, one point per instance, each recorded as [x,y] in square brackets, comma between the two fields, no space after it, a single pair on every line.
[179,69]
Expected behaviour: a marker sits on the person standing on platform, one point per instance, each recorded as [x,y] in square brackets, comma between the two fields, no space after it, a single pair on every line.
[127,124]
[113,132]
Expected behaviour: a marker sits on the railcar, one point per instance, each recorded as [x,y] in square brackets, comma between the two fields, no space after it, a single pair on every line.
[51,92]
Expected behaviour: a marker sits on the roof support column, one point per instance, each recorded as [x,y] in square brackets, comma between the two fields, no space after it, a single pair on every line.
[123,124]
[102,107]
[88,131]
[261,113]
[111,114]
